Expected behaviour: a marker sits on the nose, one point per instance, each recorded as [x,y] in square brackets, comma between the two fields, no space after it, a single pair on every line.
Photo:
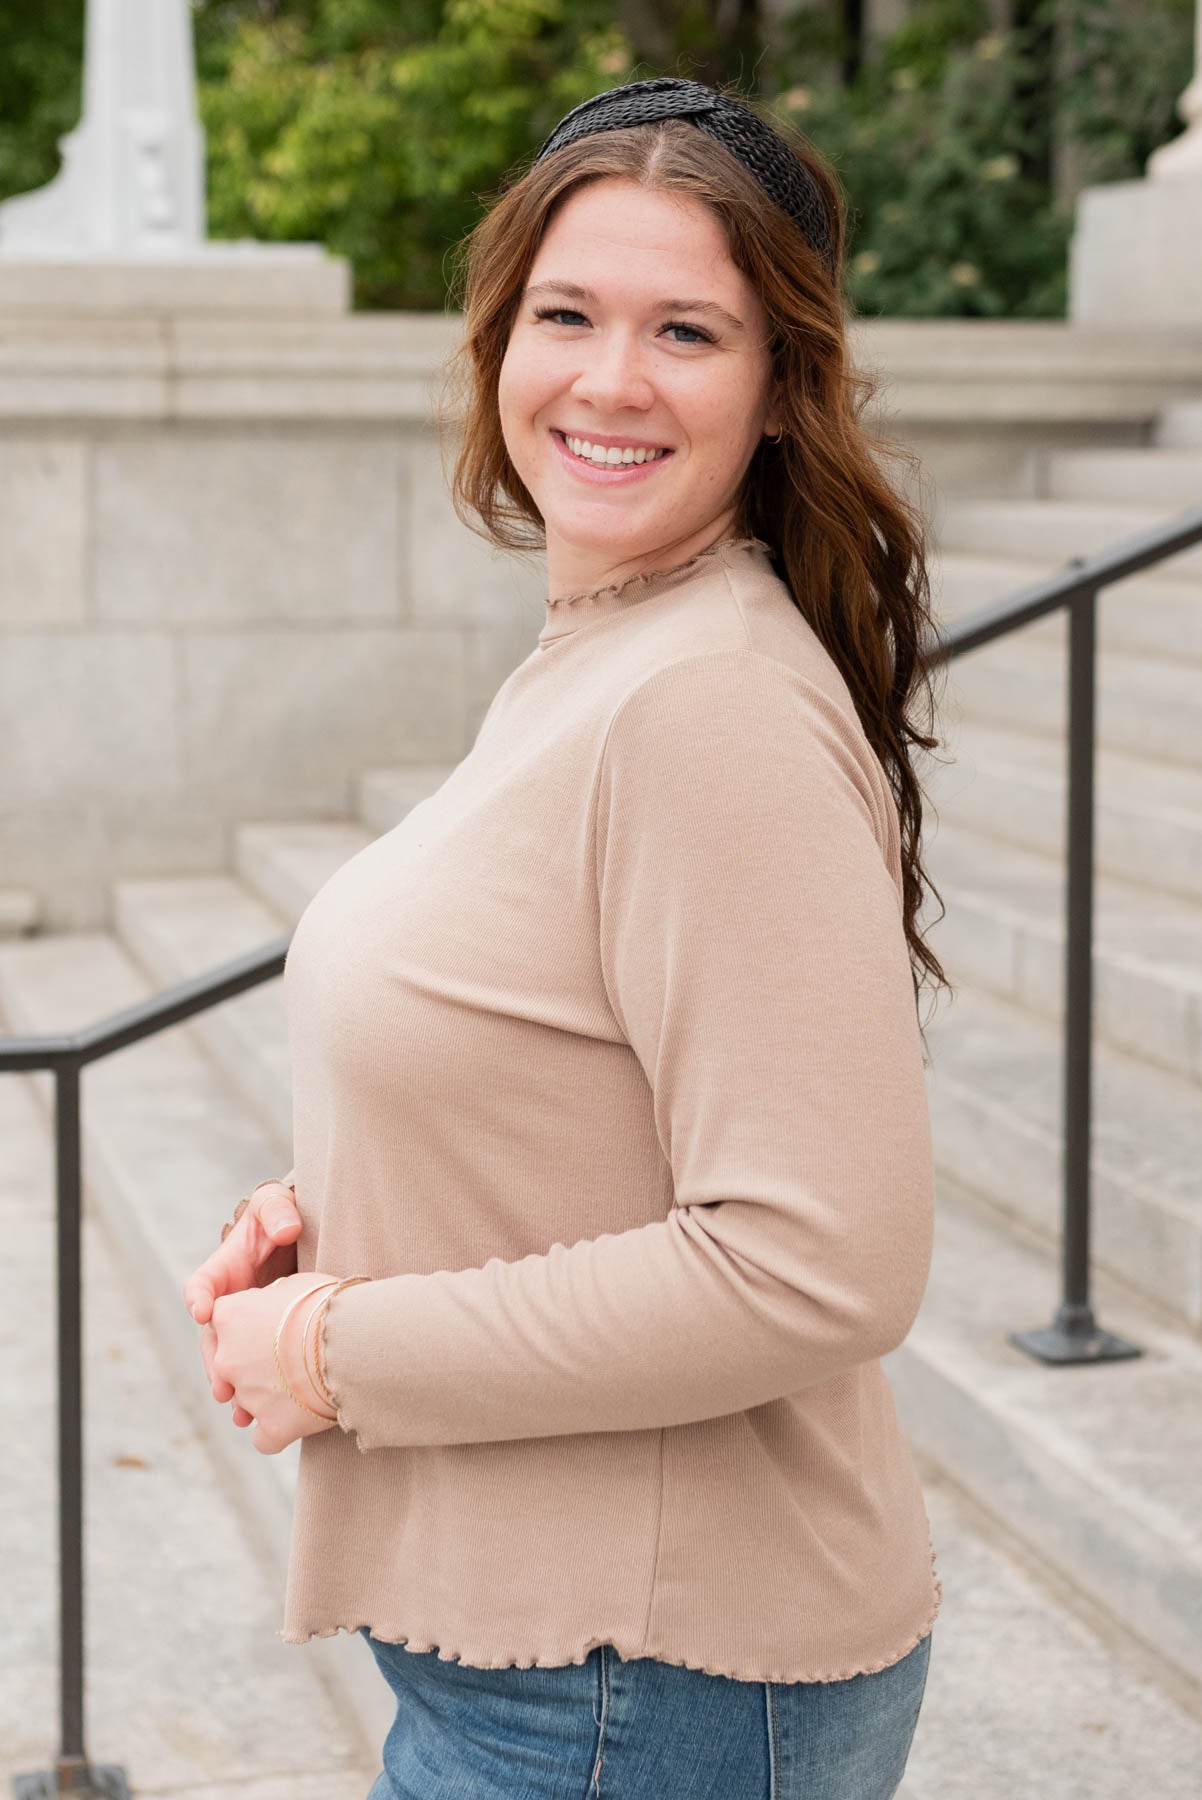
[613,374]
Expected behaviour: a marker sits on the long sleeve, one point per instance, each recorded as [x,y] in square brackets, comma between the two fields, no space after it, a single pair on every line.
[752,951]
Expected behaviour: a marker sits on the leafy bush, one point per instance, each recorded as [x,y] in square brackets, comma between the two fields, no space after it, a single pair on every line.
[1127,63]
[40,80]
[943,220]
[382,127]
[382,139]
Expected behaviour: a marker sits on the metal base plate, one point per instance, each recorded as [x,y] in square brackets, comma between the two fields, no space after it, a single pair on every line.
[1053,1344]
[103,1781]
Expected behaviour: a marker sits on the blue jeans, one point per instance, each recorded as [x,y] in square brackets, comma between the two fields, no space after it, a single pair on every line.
[606,1729]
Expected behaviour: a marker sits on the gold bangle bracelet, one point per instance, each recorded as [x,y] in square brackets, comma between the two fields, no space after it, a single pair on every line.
[319,1383]
[315,1380]
[276,1350]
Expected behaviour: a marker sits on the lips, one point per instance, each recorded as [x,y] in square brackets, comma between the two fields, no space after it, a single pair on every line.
[607,474]
[609,442]
[586,462]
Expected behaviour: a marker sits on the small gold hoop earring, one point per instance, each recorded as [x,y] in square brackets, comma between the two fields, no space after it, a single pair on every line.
[775,440]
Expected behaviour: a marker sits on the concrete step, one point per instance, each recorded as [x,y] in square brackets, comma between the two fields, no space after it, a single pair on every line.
[1151,615]
[169,1145]
[384,796]
[1056,528]
[1147,814]
[285,864]
[1093,1469]
[1025,1695]
[1156,476]
[1004,930]
[20,912]
[1145,706]
[994,1088]
[1180,425]
[180,926]
[185,1683]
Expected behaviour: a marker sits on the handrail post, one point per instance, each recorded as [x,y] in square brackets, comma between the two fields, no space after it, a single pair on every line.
[72,1774]
[1074,1335]
[72,1756]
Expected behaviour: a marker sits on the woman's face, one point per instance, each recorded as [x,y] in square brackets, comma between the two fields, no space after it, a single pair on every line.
[649,339]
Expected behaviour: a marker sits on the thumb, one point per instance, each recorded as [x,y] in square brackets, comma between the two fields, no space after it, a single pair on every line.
[200,1300]
[281,1221]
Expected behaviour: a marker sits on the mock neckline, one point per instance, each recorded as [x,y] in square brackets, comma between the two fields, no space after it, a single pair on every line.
[567,612]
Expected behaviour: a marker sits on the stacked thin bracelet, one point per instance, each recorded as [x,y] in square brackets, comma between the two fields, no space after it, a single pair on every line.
[315,1374]
[316,1378]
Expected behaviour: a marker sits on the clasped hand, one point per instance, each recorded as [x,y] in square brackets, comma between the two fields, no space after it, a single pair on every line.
[238,1297]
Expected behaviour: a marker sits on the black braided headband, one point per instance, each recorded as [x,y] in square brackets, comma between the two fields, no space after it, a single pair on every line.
[730,121]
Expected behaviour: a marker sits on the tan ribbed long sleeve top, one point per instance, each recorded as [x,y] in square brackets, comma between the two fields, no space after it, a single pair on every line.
[607,1071]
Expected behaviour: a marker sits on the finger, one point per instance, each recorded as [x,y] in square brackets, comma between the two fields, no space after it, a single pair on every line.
[205,1284]
[277,1212]
[220,1388]
[271,1217]
[240,1416]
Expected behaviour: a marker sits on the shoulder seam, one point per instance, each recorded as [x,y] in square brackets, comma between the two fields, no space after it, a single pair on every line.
[783,670]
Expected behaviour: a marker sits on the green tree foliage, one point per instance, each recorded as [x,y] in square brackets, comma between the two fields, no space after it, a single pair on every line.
[383,127]
[931,148]
[935,147]
[379,129]
[1126,65]
[40,77]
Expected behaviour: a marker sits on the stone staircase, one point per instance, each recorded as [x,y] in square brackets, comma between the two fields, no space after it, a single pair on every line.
[996,852]
[1068,1655]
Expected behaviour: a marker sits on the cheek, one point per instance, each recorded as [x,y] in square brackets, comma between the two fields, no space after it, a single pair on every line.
[719,415]
[523,387]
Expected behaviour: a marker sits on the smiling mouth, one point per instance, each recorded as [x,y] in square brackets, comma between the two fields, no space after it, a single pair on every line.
[601,456]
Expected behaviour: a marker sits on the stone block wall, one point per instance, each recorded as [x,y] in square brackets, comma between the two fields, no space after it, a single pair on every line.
[231,578]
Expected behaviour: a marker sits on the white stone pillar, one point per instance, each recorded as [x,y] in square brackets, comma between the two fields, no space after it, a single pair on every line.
[132,180]
[129,200]
[1136,255]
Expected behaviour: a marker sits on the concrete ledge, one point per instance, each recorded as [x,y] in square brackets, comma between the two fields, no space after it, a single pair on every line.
[240,277]
[1136,256]
[153,363]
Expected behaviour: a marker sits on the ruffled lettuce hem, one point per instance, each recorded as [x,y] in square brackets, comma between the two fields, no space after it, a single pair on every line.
[629,583]
[475,1659]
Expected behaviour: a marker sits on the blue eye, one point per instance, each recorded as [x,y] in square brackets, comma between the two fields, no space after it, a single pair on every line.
[700,336]
[679,325]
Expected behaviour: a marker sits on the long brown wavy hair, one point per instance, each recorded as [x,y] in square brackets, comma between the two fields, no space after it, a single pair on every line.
[851,548]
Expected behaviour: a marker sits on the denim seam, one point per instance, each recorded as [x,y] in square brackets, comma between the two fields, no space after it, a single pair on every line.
[771,1700]
[595,1783]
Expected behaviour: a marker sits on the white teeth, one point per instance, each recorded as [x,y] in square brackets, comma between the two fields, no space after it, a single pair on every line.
[598,453]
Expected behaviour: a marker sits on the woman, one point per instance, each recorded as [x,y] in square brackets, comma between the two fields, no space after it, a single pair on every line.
[612,1145]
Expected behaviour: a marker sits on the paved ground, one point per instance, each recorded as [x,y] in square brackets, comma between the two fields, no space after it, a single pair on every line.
[189,1689]
[1023,1697]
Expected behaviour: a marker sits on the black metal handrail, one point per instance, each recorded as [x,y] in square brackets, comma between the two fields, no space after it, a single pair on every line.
[1073,1336]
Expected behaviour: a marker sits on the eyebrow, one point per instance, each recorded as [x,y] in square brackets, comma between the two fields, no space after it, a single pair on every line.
[575,292]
